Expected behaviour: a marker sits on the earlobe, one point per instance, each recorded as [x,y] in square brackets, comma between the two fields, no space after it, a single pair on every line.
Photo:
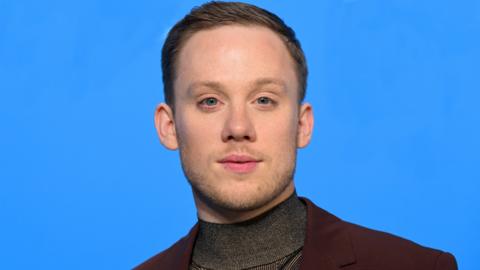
[165,125]
[305,125]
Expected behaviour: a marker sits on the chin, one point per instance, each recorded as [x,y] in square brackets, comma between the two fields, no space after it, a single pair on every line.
[240,197]
[244,201]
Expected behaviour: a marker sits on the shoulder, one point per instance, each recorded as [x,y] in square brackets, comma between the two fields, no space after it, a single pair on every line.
[348,244]
[381,250]
[176,256]
[161,258]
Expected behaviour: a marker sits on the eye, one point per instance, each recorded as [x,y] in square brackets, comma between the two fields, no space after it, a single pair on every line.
[265,101]
[209,102]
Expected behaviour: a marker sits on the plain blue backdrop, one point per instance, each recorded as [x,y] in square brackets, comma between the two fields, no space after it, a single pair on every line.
[85,184]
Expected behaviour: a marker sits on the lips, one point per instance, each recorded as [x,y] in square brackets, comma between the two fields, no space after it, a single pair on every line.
[239,163]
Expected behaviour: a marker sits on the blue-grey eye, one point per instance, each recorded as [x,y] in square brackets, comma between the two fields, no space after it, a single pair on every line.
[264,100]
[210,101]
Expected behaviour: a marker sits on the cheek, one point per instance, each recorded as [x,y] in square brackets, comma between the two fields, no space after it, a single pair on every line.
[194,132]
[279,136]
[280,128]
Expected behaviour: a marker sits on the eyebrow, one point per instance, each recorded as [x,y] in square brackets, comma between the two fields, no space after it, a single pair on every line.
[208,84]
[219,87]
[265,81]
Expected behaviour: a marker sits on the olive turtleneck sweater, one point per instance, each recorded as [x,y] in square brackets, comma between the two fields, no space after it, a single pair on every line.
[273,240]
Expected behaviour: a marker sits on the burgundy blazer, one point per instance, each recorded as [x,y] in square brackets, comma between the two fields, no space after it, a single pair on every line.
[330,244]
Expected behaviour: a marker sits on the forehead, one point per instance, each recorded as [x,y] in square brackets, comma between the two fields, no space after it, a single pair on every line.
[234,55]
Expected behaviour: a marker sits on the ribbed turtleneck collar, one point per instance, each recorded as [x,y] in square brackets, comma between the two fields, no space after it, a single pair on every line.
[261,240]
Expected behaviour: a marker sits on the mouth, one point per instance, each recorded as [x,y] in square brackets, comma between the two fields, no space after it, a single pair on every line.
[240,164]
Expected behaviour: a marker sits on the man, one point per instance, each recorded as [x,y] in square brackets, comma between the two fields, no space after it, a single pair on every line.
[235,78]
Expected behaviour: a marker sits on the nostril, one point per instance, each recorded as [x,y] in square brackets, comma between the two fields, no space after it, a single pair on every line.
[236,130]
[238,138]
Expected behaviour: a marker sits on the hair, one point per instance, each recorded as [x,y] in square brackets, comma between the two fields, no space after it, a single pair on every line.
[215,14]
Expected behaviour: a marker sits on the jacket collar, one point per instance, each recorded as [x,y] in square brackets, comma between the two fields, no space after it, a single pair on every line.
[327,244]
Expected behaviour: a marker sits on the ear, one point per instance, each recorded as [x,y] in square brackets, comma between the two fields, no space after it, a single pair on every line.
[305,125]
[165,125]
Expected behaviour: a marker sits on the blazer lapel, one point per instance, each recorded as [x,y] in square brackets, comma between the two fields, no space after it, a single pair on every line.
[181,254]
[327,244]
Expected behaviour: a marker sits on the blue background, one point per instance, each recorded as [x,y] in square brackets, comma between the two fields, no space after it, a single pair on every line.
[85,183]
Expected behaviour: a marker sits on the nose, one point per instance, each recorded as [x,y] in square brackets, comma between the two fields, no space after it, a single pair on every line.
[238,126]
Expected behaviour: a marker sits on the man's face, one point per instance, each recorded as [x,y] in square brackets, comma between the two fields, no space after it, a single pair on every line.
[237,120]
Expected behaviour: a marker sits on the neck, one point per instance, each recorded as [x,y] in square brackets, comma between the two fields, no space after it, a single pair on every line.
[217,214]
[262,240]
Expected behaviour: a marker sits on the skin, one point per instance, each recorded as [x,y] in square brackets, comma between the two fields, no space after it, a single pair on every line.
[236,93]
